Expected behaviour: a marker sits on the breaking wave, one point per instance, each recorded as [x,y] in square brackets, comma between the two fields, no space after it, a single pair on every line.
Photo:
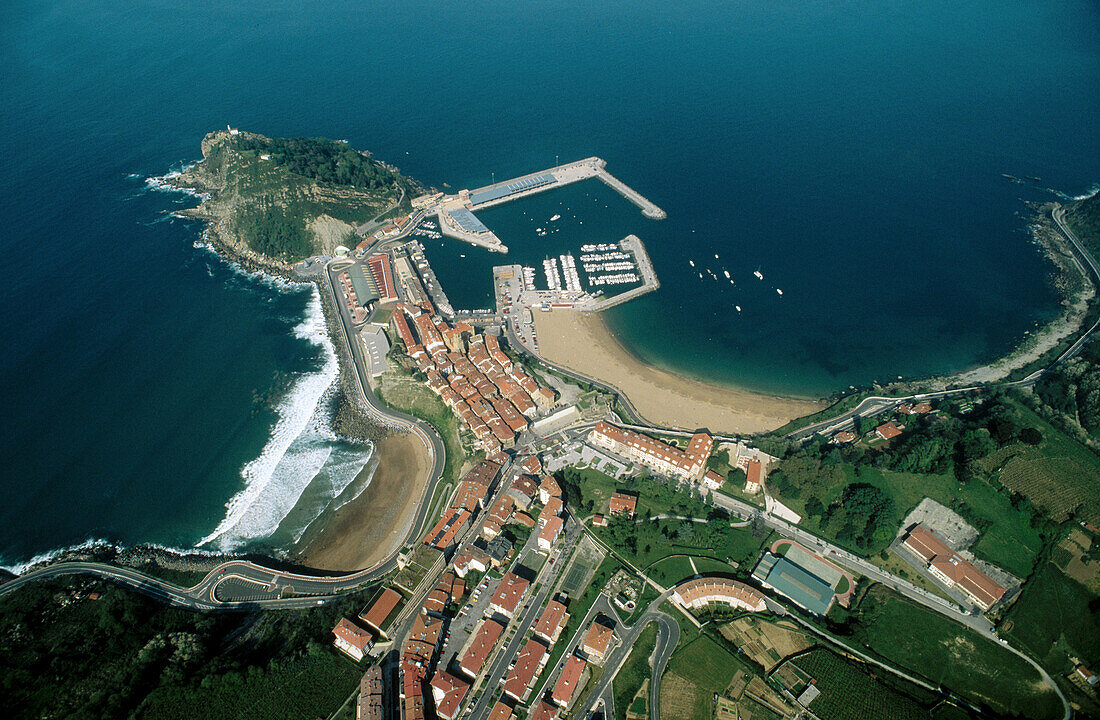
[302,455]
[89,544]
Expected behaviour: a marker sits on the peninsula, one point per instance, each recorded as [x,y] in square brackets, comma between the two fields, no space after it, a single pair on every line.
[538,541]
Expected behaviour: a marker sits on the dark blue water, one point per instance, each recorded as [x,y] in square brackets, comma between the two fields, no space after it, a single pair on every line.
[851,151]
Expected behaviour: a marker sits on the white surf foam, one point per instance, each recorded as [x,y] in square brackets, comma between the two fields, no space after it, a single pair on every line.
[251,513]
[90,543]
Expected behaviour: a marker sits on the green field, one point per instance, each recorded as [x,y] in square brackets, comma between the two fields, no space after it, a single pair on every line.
[1059,474]
[946,653]
[673,570]
[644,543]
[1007,539]
[401,391]
[699,669]
[850,693]
[634,671]
[1052,618]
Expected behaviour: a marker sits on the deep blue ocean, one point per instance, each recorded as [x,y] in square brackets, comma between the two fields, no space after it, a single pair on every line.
[851,151]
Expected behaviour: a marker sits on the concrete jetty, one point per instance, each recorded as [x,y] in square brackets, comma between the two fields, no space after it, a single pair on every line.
[631,244]
[555,177]
[473,233]
[649,209]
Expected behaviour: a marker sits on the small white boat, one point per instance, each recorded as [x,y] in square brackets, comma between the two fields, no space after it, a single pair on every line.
[726,273]
[758,275]
[731,282]
[691,262]
[738,308]
[700,276]
[556,217]
[715,256]
[462,255]
[779,291]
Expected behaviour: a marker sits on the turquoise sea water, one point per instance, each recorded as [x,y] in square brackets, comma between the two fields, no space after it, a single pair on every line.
[850,151]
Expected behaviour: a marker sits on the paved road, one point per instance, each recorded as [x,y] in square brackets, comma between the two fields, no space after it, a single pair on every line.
[841,556]
[668,635]
[498,671]
[876,405]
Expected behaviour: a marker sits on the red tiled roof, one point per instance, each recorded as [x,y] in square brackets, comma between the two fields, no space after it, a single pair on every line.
[509,593]
[715,589]
[500,711]
[448,692]
[943,558]
[381,608]
[551,530]
[552,621]
[755,471]
[622,503]
[544,711]
[888,430]
[568,681]
[480,647]
[598,639]
[352,634]
[528,662]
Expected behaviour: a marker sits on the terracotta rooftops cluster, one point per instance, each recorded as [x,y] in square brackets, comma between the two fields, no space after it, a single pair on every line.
[473,376]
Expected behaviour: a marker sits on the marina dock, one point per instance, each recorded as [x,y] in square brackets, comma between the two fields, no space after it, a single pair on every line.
[631,244]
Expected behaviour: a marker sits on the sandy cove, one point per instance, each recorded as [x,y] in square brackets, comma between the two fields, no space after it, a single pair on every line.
[582,342]
[372,526]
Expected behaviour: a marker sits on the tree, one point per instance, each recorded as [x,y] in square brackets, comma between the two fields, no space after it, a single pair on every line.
[1031,436]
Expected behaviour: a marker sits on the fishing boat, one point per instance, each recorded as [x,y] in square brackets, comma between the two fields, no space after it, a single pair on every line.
[726,273]
[758,275]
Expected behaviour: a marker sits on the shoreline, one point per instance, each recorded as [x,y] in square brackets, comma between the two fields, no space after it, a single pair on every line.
[372,525]
[584,343]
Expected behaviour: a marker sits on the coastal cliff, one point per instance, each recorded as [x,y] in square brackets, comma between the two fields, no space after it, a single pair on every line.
[269,202]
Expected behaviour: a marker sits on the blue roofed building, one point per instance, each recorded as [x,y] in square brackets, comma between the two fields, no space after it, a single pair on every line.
[467,221]
[795,583]
[495,192]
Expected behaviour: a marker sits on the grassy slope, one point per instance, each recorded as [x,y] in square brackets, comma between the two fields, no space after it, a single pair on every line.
[1041,472]
[703,668]
[849,693]
[402,391]
[273,202]
[634,671]
[1052,619]
[947,653]
[1009,542]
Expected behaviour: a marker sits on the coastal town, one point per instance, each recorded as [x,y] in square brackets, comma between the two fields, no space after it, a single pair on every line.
[496,612]
[564,557]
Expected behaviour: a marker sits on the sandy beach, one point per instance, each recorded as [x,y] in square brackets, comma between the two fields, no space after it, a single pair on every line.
[370,527]
[583,342]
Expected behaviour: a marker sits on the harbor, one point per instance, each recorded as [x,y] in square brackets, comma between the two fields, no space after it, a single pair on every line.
[457,220]
[518,298]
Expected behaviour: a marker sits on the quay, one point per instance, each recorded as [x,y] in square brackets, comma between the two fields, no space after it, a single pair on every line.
[516,302]
[649,209]
[633,245]
[455,213]
[521,187]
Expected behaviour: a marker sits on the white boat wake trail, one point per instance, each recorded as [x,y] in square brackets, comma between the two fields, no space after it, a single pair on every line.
[299,447]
